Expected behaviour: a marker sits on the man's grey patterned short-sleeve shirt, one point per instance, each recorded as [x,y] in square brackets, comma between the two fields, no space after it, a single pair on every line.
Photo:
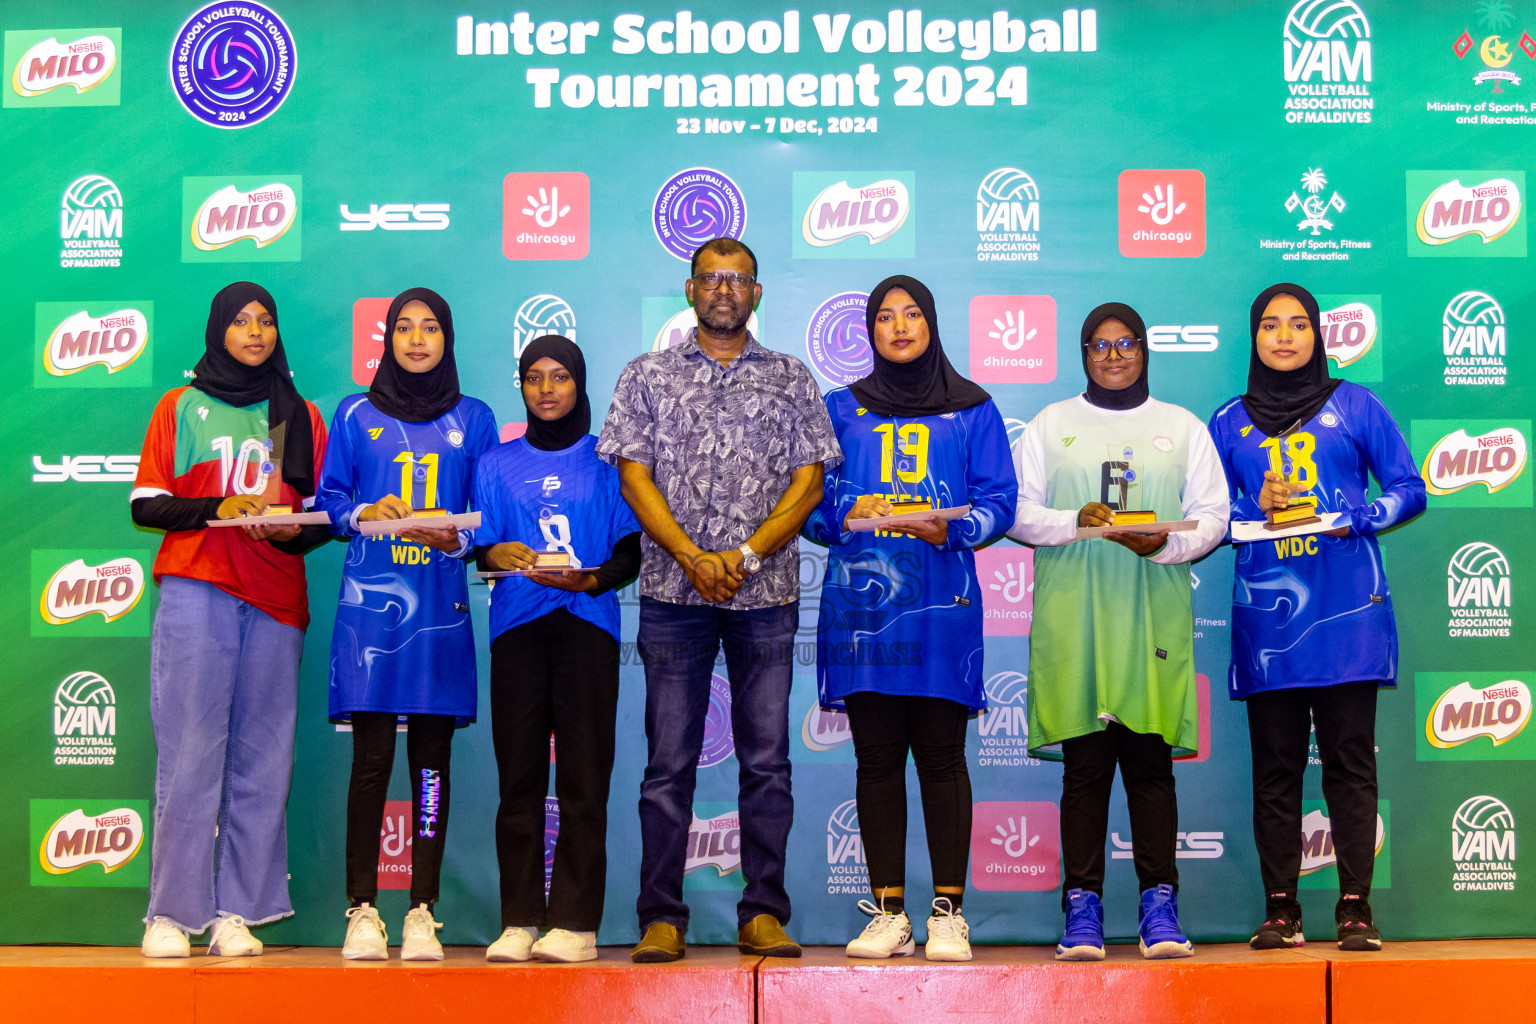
[721,442]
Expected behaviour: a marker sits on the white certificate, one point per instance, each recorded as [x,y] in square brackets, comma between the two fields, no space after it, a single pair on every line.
[881,522]
[286,519]
[394,527]
[1249,531]
[1086,532]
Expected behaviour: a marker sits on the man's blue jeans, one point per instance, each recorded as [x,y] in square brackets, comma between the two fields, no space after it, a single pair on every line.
[679,644]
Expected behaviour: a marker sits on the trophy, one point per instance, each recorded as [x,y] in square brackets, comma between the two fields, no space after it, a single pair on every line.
[1132,517]
[1298,511]
[551,561]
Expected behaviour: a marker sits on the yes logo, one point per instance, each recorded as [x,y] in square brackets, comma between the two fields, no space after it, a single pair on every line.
[89,842]
[1473,463]
[1013,339]
[1183,338]
[221,215]
[1015,845]
[93,345]
[73,588]
[52,68]
[1466,213]
[546,215]
[846,216]
[1162,213]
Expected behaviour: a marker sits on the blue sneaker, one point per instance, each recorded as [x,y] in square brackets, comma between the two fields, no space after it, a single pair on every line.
[1161,938]
[1083,937]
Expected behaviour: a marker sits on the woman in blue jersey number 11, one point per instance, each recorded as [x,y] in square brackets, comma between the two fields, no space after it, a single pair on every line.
[403,644]
[1313,637]
[554,655]
[899,631]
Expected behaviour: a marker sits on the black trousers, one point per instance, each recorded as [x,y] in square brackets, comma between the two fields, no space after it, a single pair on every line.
[1279,727]
[885,728]
[428,748]
[1146,769]
[558,673]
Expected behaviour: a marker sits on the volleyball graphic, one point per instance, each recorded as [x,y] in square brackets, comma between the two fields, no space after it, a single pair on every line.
[91,192]
[837,339]
[1477,559]
[1474,308]
[844,819]
[1007,688]
[1325,19]
[694,206]
[1007,184]
[541,315]
[84,688]
[1482,814]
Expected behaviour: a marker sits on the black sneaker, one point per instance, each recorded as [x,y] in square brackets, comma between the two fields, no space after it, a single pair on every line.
[1356,932]
[1282,925]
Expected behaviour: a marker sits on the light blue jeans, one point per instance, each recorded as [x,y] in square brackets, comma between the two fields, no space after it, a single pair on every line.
[223,696]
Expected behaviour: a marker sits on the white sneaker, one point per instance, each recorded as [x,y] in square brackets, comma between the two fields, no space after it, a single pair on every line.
[418,939]
[949,937]
[162,938]
[887,935]
[514,946]
[367,938]
[566,947]
[232,938]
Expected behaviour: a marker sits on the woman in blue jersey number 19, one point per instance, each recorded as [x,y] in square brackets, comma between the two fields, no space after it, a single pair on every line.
[554,655]
[899,631]
[403,644]
[1313,637]
[1111,647]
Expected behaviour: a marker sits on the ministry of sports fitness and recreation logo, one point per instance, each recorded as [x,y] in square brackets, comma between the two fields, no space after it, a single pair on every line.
[1013,339]
[58,68]
[92,345]
[1473,463]
[1007,577]
[90,593]
[233,64]
[1007,217]
[1351,332]
[546,215]
[1483,846]
[837,339]
[89,842]
[540,315]
[1313,208]
[84,720]
[1466,213]
[694,206]
[1004,726]
[1162,213]
[1015,845]
[847,869]
[1473,336]
[1474,716]
[853,215]
[91,224]
[242,219]
[1326,49]
[1495,52]
[719,739]
[1319,859]
[1479,591]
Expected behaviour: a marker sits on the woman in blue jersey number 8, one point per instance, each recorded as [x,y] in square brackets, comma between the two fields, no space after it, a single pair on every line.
[1111,646]
[1313,636]
[403,644]
[554,655]
[899,630]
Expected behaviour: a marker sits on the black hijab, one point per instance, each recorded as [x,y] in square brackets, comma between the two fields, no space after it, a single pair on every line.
[1127,397]
[416,397]
[557,435]
[926,386]
[1279,400]
[222,376]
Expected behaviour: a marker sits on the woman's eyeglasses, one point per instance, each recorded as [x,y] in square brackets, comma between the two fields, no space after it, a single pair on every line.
[1098,348]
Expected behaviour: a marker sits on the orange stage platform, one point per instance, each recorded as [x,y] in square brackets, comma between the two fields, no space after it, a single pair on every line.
[1407,982]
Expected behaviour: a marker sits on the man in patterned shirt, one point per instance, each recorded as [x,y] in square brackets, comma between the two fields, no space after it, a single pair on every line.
[721,445]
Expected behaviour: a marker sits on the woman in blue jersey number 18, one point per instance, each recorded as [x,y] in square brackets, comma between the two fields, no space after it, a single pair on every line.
[403,644]
[899,630]
[1313,636]
[554,655]
[1111,646]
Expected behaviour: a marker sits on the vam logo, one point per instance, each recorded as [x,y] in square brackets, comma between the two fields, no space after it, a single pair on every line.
[396,217]
[1483,846]
[73,71]
[84,721]
[1007,217]
[113,340]
[1326,48]
[1458,460]
[91,223]
[1004,726]
[75,837]
[1479,592]
[1473,337]
[1183,338]
[1483,217]
[846,216]
[847,871]
[1465,712]
[221,213]
[538,316]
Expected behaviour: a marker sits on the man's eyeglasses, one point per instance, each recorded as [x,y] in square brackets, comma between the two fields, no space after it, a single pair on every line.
[1098,348]
[715,278]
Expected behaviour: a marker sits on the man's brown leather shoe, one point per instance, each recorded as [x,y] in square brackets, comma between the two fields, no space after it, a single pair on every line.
[662,943]
[764,936]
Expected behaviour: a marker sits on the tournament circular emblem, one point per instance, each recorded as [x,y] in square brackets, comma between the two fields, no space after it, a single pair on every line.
[694,206]
[719,740]
[232,64]
[837,339]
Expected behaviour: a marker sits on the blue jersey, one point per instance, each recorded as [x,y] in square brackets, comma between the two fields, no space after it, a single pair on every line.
[899,615]
[403,641]
[567,501]
[1316,610]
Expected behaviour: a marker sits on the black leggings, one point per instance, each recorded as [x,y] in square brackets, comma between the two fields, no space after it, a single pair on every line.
[1146,769]
[884,728]
[428,747]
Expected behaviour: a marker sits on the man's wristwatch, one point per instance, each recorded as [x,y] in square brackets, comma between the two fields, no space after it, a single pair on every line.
[751,564]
